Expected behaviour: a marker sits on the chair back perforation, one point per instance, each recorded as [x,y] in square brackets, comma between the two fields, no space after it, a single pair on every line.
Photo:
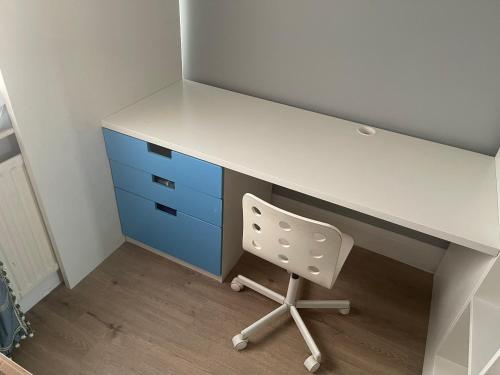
[306,247]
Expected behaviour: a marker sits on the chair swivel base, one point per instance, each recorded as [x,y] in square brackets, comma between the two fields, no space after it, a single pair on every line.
[288,303]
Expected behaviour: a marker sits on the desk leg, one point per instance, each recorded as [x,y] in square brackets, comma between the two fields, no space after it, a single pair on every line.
[456,280]
[235,185]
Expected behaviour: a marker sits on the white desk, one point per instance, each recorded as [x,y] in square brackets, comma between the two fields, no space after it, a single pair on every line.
[439,190]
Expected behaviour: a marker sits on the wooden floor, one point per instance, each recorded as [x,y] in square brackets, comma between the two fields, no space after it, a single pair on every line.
[139,313]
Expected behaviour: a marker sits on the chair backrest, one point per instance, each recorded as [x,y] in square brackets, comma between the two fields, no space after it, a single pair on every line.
[306,247]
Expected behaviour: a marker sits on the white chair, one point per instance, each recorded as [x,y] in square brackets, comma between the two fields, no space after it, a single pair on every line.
[305,248]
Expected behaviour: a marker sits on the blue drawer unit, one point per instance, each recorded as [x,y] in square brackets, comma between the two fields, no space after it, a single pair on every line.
[166,192]
[183,169]
[183,236]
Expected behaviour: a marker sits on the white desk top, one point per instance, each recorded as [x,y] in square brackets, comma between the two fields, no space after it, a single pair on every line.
[443,191]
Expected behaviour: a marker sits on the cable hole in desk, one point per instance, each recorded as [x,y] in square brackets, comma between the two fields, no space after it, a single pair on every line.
[366,130]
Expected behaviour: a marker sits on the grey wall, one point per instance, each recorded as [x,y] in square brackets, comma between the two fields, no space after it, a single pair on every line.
[428,68]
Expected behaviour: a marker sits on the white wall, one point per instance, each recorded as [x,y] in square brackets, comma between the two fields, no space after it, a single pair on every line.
[66,65]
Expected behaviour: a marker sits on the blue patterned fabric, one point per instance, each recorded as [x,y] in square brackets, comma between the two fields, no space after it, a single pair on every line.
[13,324]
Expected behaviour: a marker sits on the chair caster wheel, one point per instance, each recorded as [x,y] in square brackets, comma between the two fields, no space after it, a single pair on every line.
[311,364]
[236,285]
[239,343]
[345,311]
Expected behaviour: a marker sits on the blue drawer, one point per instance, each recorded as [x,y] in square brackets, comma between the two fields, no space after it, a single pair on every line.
[169,193]
[186,170]
[182,236]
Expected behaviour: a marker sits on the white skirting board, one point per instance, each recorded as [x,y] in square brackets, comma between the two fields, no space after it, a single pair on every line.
[40,291]
[404,249]
[25,248]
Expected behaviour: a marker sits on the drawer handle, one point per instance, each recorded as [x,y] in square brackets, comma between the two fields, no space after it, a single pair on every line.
[164,182]
[166,209]
[163,151]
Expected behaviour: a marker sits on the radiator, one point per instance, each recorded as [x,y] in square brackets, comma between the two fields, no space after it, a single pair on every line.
[25,249]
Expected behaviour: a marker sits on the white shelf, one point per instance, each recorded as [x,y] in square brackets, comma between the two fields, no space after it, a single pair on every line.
[485,335]
[455,348]
[485,338]
[494,368]
[446,367]
[4,133]
[473,340]
[490,288]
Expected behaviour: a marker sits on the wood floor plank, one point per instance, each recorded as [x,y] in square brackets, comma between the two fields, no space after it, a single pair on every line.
[139,313]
